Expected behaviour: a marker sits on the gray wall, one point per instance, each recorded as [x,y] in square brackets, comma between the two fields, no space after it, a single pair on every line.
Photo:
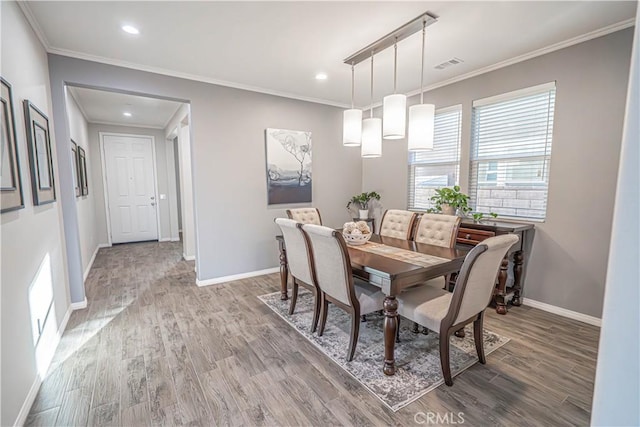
[164,231]
[30,234]
[235,229]
[569,258]
[85,205]
[617,387]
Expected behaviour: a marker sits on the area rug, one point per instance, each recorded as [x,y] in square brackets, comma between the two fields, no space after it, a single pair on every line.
[418,368]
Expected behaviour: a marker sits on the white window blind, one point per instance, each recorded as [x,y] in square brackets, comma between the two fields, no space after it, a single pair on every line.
[511,151]
[429,170]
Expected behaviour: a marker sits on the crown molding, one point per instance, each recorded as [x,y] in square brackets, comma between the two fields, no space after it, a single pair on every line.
[123,125]
[26,10]
[71,90]
[194,77]
[521,58]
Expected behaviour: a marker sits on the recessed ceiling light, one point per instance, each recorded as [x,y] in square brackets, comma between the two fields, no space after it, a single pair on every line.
[321,76]
[130,29]
[126,114]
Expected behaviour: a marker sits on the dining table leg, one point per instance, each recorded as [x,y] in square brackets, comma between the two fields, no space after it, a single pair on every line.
[390,326]
[284,271]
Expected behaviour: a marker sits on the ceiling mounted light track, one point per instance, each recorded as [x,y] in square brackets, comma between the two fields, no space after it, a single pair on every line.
[394,122]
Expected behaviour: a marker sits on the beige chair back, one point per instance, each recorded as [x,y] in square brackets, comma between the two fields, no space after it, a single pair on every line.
[331,264]
[305,215]
[297,249]
[478,275]
[438,230]
[397,224]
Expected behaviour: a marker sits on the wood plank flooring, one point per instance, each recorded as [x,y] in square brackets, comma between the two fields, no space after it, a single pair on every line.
[152,348]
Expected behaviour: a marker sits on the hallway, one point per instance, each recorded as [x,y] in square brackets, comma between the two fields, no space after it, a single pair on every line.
[154,349]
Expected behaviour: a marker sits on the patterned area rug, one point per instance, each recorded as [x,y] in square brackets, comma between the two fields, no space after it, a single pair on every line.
[417,356]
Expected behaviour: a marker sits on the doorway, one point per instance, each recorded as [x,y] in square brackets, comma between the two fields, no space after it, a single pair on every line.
[130,189]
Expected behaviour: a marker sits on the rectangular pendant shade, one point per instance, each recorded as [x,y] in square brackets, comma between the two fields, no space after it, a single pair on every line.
[371,137]
[421,127]
[394,116]
[352,128]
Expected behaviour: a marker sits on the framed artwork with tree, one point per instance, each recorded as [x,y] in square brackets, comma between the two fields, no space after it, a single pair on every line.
[289,178]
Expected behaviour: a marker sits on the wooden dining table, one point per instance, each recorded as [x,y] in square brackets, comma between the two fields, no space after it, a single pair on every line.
[392,275]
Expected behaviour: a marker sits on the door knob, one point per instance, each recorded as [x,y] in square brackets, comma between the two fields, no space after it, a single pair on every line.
[153,198]
[153,204]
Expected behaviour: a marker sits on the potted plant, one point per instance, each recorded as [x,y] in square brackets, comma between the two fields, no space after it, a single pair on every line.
[479,216]
[362,201]
[451,200]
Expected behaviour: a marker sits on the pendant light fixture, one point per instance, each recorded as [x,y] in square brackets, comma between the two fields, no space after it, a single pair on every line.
[394,107]
[421,116]
[352,120]
[371,129]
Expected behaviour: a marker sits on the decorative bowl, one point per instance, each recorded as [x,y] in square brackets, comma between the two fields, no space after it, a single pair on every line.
[356,239]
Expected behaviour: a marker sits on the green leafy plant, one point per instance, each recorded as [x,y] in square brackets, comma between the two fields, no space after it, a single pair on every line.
[452,197]
[477,216]
[362,200]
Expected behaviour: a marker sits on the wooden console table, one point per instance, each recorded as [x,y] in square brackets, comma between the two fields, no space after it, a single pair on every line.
[471,233]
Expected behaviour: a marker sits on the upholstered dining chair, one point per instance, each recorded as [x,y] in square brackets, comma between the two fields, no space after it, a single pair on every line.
[298,259]
[438,230]
[331,271]
[446,312]
[305,215]
[397,224]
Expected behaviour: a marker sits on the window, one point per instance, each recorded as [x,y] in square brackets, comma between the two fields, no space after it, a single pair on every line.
[511,152]
[429,170]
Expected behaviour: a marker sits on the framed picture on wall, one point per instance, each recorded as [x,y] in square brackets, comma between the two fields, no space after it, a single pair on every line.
[10,181]
[82,171]
[288,166]
[40,159]
[76,175]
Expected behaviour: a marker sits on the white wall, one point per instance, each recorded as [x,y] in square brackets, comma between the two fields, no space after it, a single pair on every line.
[164,231]
[568,261]
[87,225]
[30,234]
[617,387]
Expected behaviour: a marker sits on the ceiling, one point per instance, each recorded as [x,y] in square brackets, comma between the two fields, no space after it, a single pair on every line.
[278,47]
[104,107]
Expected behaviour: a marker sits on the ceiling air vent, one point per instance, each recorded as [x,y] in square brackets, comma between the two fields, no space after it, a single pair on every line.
[449,63]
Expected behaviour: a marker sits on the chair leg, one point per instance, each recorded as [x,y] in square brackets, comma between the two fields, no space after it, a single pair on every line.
[316,311]
[324,312]
[398,329]
[294,297]
[353,340]
[444,357]
[478,337]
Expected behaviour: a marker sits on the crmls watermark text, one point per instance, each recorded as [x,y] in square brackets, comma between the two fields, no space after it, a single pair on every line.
[432,418]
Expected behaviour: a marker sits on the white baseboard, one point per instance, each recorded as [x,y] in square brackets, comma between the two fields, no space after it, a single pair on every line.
[79,305]
[189,257]
[104,245]
[165,239]
[93,258]
[225,279]
[581,317]
[174,239]
[35,387]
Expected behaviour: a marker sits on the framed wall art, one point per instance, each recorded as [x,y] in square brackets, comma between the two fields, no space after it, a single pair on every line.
[10,180]
[82,171]
[40,159]
[288,166]
[74,159]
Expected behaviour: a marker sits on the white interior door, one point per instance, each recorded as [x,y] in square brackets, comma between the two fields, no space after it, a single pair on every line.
[130,182]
